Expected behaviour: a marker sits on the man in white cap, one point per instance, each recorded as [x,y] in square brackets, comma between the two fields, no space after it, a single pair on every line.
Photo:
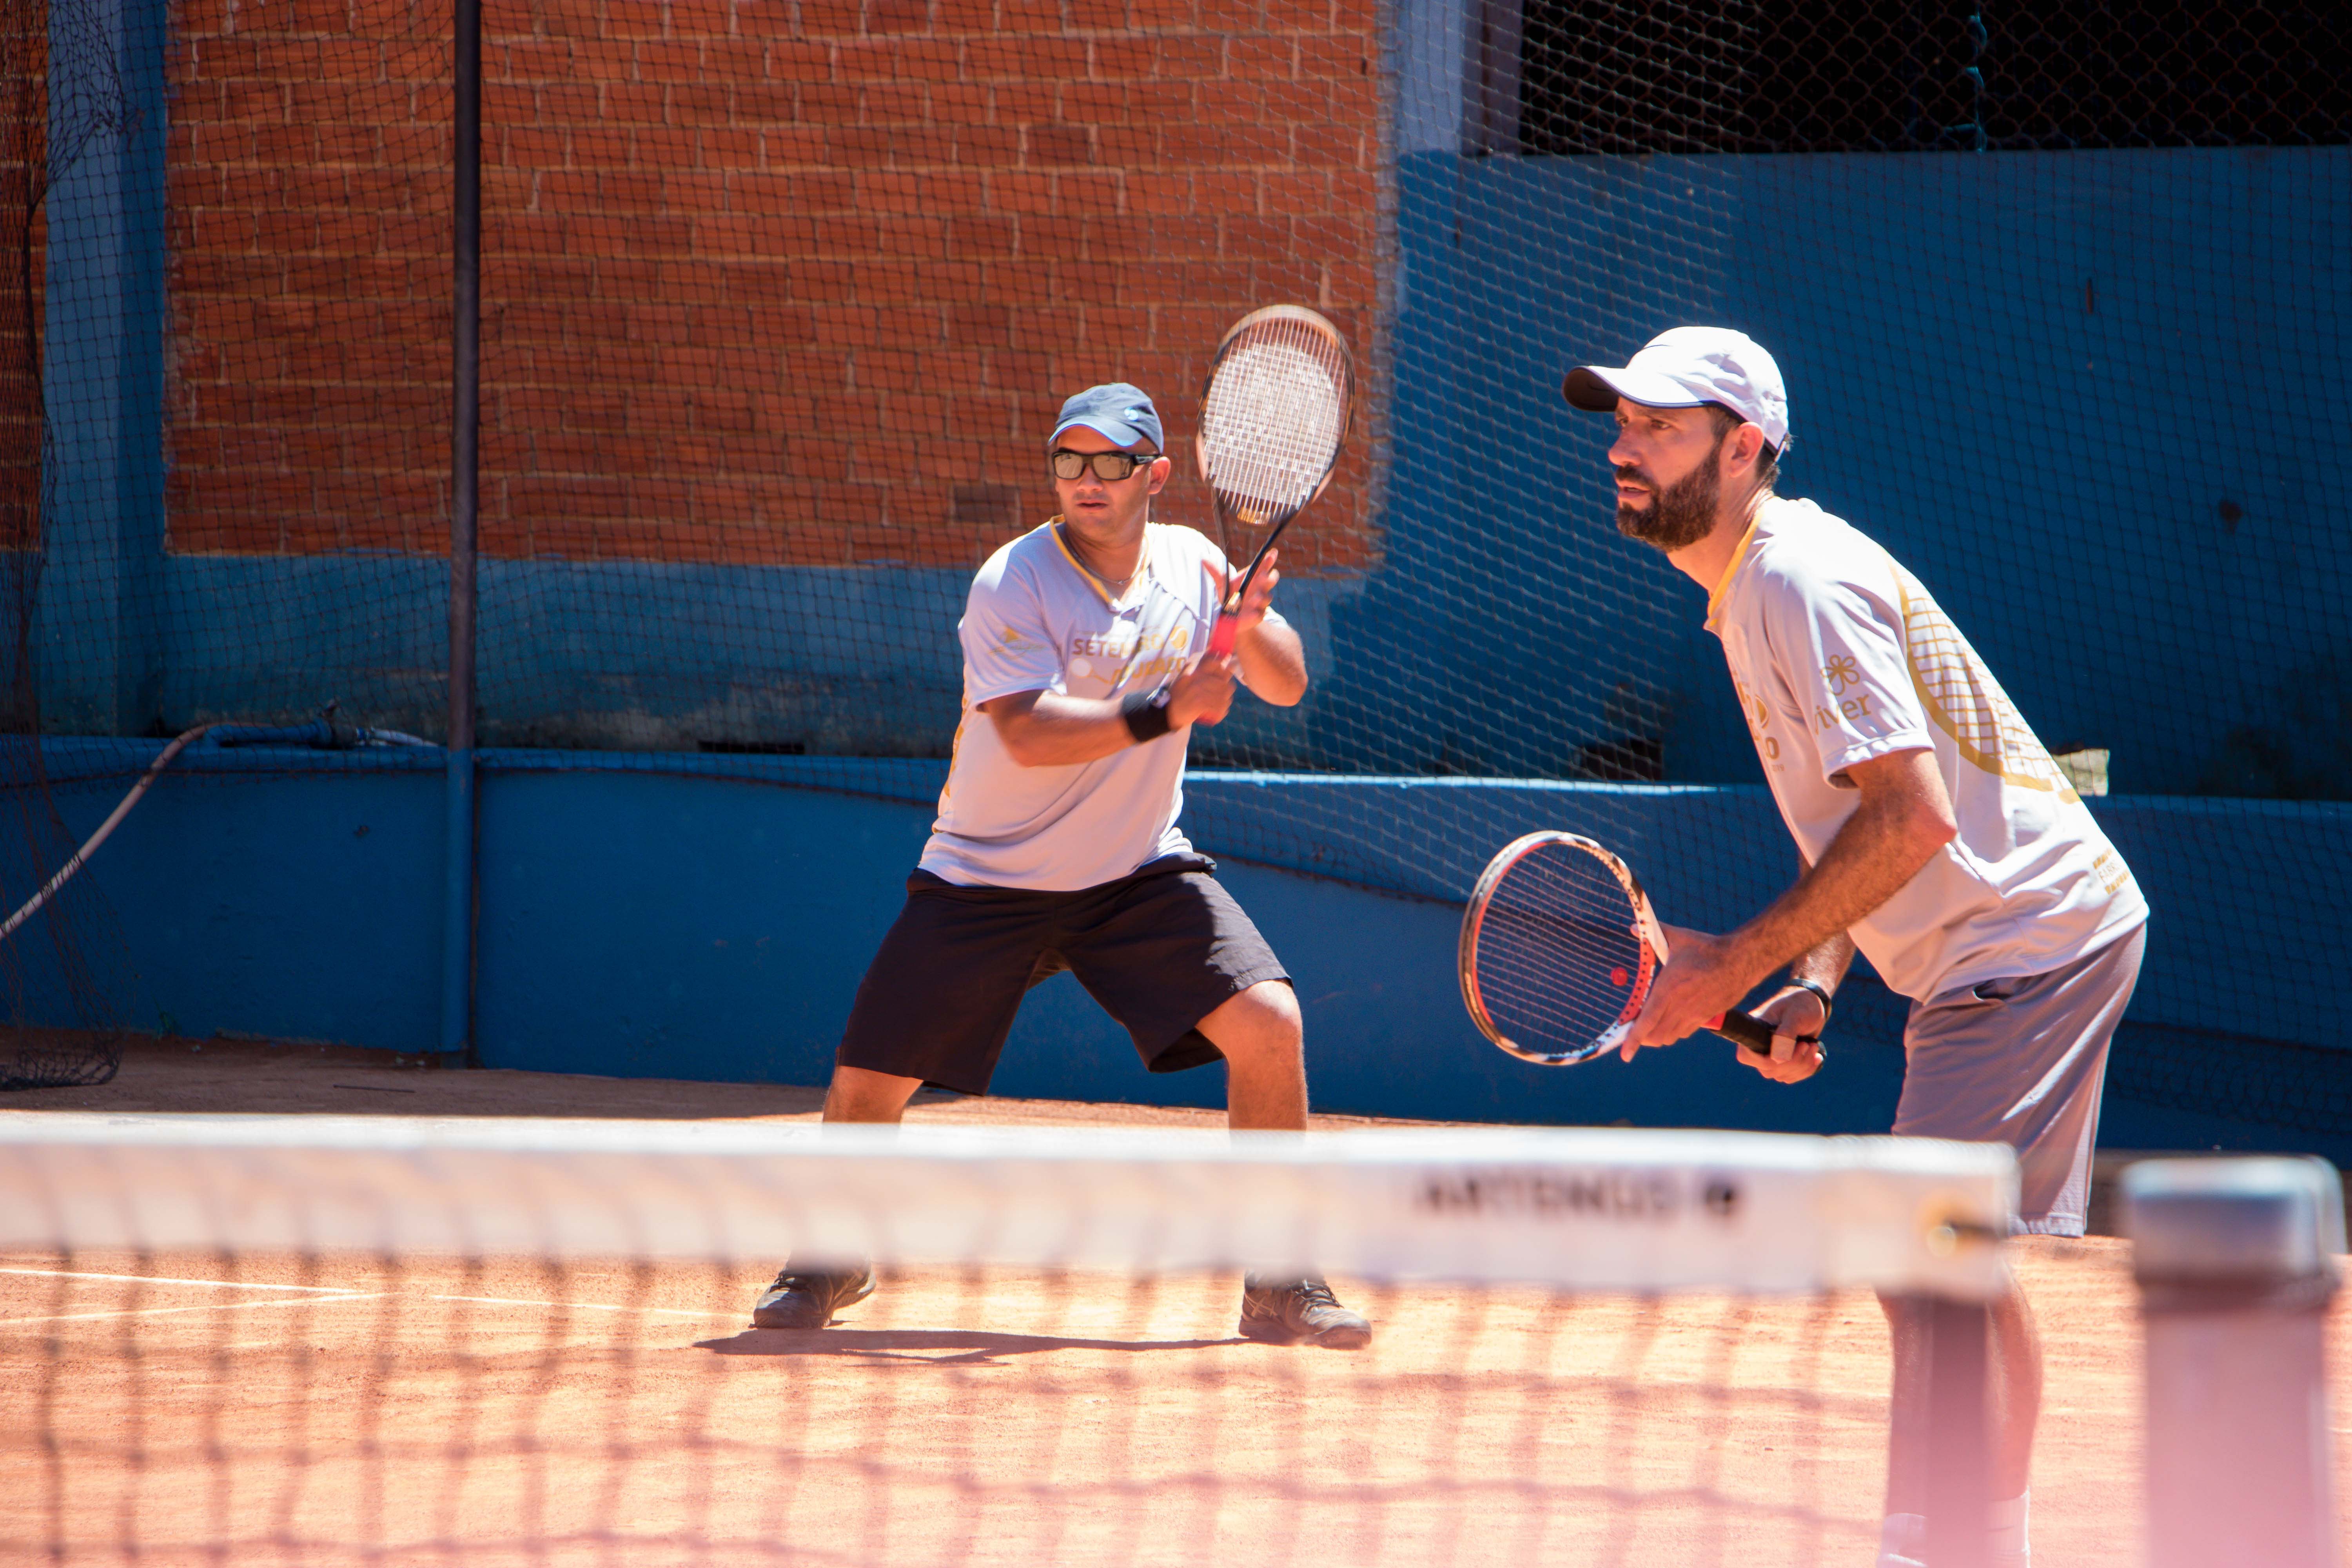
[1056,845]
[1935,835]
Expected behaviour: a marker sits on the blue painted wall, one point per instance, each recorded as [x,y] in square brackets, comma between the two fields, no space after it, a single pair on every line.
[722,928]
[639,922]
[102,372]
[287,906]
[854,661]
[2035,377]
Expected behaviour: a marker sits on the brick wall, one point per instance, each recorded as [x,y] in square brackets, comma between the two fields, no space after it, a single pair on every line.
[307,407]
[763,282]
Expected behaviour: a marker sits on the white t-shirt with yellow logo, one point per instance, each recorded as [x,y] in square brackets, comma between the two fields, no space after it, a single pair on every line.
[1840,655]
[1037,621]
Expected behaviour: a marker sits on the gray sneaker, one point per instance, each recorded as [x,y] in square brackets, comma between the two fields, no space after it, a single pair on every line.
[1300,1312]
[808,1298]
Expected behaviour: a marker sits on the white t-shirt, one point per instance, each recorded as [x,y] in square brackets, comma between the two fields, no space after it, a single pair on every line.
[1840,655]
[1037,621]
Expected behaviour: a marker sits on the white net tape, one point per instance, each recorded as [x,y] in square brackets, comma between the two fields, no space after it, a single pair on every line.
[1587,1208]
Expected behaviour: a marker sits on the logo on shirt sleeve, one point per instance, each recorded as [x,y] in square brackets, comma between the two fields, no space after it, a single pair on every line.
[1842,671]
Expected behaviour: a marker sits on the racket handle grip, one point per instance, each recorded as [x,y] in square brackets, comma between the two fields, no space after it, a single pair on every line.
[1223,636]
[1753,1032]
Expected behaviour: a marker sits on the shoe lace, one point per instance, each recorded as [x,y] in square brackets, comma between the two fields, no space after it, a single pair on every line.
[1314,1293]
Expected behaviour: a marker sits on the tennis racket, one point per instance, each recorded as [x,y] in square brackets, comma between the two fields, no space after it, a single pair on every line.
[1559,948]
[1281,392]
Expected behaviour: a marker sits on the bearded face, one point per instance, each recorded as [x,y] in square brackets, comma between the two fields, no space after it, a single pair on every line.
[1679,515]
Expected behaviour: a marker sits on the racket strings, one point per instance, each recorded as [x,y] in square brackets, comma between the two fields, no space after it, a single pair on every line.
[1558,960]
[1275,415]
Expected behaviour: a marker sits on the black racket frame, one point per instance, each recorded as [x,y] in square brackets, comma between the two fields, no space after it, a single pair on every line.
[1226,512]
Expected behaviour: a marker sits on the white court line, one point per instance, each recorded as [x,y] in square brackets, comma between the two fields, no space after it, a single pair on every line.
[580,1306]
[547,1306]
[335,1298]
[165,1280]
[336,1293]
[208,1307]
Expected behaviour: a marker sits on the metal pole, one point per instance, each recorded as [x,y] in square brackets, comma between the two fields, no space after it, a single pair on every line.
[2235,1264]
[1958,1433]
[457,910]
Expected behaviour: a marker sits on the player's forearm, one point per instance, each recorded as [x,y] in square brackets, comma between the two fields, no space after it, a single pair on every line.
[1274,662]
[1058,731]
[1825,962]
[1881,847]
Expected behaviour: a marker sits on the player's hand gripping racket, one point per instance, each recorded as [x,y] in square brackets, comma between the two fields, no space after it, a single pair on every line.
[1559,948]
[1281,391]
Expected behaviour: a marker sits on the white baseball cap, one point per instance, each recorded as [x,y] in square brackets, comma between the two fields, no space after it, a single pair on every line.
[1686,366]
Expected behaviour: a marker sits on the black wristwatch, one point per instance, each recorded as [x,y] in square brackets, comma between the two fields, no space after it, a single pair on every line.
[1818,989]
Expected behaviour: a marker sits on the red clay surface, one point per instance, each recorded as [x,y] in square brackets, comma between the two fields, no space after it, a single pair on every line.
[273,1410]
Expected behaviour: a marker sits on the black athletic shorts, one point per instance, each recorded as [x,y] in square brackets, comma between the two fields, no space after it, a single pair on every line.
[1161,950]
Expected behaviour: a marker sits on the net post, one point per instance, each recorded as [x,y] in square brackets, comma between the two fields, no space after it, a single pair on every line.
[457,907]
[2235,1267]
[1958,1431]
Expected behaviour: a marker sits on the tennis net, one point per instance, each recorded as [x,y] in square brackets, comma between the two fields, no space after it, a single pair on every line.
[341,1340]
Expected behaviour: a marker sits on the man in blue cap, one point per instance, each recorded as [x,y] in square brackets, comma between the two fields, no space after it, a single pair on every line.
[1056,846]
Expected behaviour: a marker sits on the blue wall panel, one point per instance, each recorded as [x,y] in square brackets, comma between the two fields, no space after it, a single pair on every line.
[102,368]
[719,929]
[1387,1036]
[304,908]
[641,923]
[1711,857]
[630,656]
[649,926]
[2035,377]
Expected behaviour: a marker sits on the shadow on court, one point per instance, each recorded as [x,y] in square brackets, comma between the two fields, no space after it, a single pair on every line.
[941,1347]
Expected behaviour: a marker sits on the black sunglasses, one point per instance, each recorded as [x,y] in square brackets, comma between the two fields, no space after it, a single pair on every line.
[1107,466]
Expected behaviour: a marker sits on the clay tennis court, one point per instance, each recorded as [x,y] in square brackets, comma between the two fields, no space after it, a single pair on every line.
[440,1411]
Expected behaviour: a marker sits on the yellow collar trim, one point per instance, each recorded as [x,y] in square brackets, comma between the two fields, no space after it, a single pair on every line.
[1142,564]
[1730,571]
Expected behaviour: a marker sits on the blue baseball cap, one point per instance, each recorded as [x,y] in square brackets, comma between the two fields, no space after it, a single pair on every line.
[1115,409]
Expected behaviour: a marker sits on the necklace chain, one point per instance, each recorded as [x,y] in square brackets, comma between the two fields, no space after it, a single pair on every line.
[1078,550]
